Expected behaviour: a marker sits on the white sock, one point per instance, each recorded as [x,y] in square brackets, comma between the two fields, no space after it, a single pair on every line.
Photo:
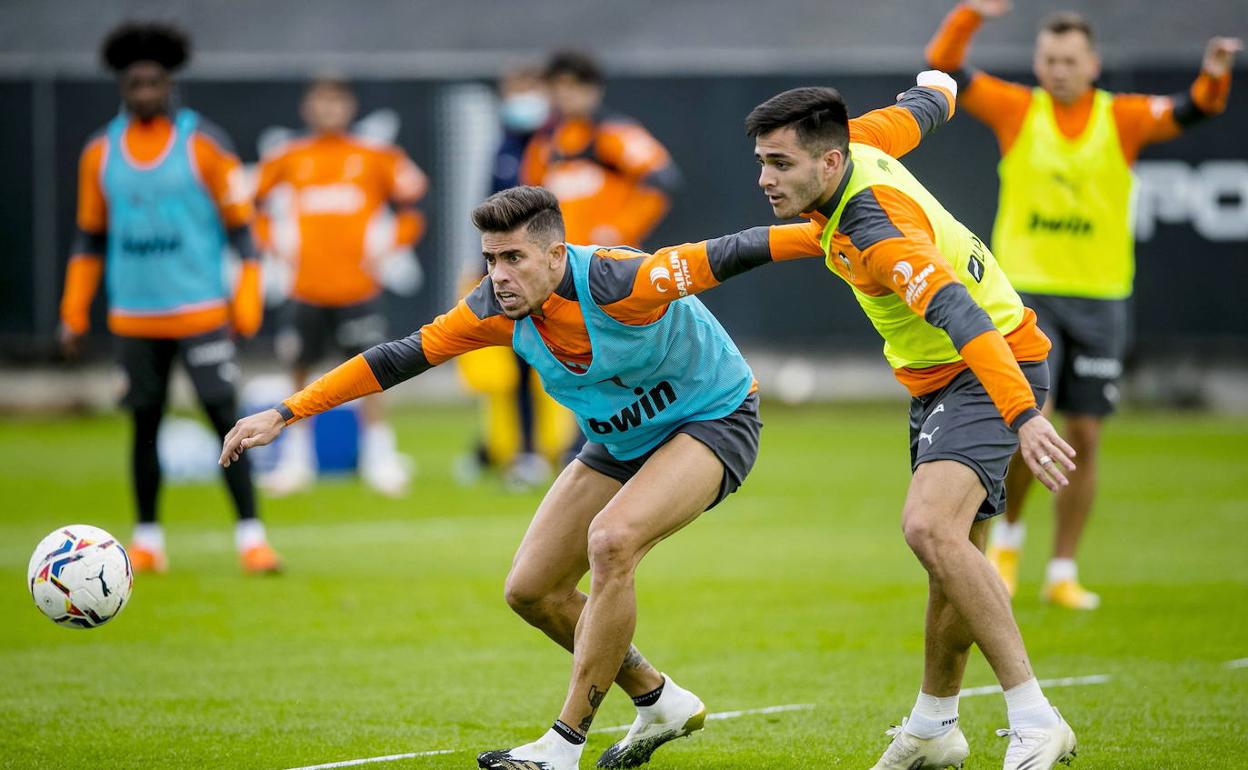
[932,716]
[554,743]
[249,533]
[149,536]
[1061,569]
[1007,535]
[377,437]
[1026,706]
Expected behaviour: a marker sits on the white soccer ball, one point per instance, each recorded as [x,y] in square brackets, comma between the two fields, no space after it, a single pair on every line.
[80,576]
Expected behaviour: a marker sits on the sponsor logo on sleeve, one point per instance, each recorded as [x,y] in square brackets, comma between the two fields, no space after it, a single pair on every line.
[658,276]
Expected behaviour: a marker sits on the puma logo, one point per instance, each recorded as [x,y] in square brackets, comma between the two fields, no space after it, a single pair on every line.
[928,436]
[100,577]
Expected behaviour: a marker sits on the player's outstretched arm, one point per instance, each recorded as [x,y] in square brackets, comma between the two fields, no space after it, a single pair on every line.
[254,430]
[1144,119]
[898,129]
[634,287]
[379,368]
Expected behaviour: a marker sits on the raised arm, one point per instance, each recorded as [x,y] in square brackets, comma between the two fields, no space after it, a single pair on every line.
[635,288]
[1144,119]
[919,111]
[475,322]
[1000,104]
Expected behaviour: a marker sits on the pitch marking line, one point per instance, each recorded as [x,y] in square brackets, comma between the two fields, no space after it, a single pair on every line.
[1240,663]
[1069,681]
[617,728]
[389,758]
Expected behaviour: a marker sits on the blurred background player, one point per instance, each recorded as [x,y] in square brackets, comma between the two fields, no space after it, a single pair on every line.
[1063,236]
[612,178]
[337,188]
[523,431]
[160,196]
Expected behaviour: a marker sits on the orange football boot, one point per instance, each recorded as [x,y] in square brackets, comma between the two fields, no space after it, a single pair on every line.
[143,559]
[261,560]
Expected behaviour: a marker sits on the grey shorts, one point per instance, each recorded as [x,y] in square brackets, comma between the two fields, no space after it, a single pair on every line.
[1090,339]
[959,422]
[310,332]
[733,439]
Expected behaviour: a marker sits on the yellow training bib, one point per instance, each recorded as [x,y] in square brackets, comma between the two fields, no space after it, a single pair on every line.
[1063,219]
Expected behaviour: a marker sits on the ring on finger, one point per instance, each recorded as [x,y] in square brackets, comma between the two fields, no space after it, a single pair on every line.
[1045,460]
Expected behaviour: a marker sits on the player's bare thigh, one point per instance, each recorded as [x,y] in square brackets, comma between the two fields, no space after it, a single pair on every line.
[671,489]
[552,557]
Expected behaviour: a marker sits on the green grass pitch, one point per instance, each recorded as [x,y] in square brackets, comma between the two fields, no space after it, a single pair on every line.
[389,634]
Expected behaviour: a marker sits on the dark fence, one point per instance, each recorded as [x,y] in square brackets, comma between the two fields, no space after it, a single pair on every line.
[1193,255]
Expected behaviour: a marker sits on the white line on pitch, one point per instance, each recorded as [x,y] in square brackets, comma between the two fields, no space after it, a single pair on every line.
[729,715]
[388,758]
[1241,663]
[618,728]
[1070,681]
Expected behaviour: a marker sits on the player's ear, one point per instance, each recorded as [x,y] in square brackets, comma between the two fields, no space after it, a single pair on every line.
[833,160]
[557,252]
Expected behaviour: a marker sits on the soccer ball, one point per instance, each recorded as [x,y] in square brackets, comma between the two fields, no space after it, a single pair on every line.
[80,576]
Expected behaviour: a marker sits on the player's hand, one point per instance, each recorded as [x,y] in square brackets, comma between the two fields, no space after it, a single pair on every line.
[255,430]
[70,341]
[1220,55]
[989,9]
[934,78]
[1045,452]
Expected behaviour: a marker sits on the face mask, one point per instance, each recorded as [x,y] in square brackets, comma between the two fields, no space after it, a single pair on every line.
[525,111]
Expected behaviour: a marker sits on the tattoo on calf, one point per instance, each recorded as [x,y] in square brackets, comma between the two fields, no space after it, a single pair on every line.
[596,697]
[634,660]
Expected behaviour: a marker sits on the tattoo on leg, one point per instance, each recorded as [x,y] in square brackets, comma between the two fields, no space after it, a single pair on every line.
[634,660]
[596,697]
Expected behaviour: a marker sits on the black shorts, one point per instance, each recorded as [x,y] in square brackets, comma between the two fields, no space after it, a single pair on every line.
[210,359]
[959,422]
[733,439]
[1090,339]
[309,331]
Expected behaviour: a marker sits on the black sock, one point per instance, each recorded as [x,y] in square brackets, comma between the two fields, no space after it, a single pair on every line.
[650,698]
[568,734]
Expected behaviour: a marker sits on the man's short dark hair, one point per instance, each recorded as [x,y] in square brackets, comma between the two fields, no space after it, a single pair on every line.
[580,65]
[331,81]
[818,114]
[1068,21]
[515,207]
[167,45]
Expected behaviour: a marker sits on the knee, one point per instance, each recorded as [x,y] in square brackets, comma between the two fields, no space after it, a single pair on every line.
[527,599]
[612,552]
[927,538]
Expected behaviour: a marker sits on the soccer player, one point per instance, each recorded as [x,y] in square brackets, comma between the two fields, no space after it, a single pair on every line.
[613,179]
[973,359]
[337,186]
[658,387]
[160,196]
[1063,236]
